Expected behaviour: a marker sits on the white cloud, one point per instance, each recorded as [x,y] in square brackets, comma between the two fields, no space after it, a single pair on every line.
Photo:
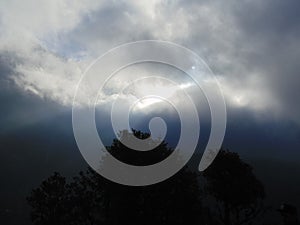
[41,17]
[48,76]
[55,40]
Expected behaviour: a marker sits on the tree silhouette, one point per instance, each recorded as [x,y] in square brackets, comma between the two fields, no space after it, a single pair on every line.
[238,193]
[91,199]
[48,201]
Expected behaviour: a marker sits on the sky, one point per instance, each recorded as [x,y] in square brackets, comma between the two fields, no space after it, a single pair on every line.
[252,47]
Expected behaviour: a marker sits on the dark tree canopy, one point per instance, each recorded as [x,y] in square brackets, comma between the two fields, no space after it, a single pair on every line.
[91,199]
[234,186]
[138,158]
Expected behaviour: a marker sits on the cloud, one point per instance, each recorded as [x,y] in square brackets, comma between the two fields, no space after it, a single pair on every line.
[25,29]
[252,46]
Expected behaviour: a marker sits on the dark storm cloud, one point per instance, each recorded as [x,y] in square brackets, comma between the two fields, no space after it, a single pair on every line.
[252,46]
[272,33]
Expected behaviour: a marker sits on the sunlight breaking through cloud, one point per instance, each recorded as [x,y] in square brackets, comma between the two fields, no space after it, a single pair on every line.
[51,48]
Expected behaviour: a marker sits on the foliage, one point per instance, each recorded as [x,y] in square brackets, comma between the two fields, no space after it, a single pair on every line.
[91,199]
[239,194]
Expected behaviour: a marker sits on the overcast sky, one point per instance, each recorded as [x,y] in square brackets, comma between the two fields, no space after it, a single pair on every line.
[251,46]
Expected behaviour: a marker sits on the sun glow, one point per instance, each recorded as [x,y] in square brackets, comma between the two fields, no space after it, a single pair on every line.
[146,102]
